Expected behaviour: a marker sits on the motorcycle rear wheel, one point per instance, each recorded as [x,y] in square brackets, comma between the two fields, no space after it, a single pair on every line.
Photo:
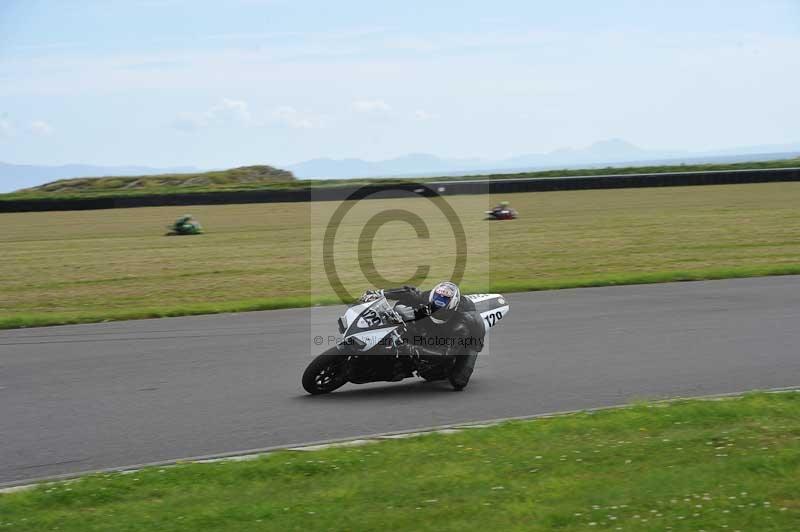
[326,373]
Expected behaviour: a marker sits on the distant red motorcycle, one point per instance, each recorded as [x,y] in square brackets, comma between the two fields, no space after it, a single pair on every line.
[501,212]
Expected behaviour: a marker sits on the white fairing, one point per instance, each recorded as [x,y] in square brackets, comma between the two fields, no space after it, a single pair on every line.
[353,312]
[357,321]
[492,308]
[491,318]
[371,338]
[479,298]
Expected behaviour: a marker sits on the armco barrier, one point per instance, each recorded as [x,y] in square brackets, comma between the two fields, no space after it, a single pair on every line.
[495,185]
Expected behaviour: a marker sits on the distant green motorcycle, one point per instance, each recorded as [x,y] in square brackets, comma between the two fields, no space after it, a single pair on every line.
[185,225]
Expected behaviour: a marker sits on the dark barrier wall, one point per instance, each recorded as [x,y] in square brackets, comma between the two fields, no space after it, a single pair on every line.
[500,186]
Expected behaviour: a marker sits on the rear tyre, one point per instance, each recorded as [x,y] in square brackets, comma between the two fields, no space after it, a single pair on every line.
[326,373]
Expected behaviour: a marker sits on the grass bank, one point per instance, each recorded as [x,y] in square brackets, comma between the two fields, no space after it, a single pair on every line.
[83,266]
[49,319]
[681,466]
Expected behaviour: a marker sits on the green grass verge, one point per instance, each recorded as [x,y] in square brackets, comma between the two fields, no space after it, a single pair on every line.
[86,266]
[49,319]
[683,466]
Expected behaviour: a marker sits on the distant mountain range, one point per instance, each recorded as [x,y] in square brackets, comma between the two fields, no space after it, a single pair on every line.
[613,152]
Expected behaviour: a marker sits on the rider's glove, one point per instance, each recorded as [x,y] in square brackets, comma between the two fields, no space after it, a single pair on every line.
[406,313]
[371,295]
[422,311]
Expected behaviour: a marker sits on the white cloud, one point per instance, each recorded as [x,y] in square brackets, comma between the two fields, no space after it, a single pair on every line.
[371,106]
[231,111]
[237,112]
[41,128]
[226,112]
[291,117]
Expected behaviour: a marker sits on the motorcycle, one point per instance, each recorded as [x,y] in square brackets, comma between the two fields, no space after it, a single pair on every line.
[185,225]
[373,347]
[505,213]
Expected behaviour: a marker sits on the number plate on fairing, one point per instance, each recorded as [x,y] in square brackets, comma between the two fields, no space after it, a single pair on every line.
[491,307]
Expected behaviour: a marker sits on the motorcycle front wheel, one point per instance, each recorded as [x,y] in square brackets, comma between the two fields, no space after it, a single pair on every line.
[326,373]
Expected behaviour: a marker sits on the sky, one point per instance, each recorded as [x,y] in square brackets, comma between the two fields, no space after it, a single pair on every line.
[217,84]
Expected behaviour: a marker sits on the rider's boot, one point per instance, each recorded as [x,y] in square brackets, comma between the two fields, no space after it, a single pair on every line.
[462,370]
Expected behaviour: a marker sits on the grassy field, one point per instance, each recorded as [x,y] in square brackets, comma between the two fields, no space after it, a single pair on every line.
[63,267]
[268,178]
[683,466]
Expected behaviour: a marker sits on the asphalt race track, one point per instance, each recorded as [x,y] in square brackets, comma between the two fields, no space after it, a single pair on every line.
[79,398]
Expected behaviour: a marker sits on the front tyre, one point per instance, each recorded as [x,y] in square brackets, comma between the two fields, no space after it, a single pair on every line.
[326,373]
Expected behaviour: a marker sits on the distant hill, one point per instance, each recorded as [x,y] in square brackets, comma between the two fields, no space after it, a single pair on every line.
[17,176]
[242,177]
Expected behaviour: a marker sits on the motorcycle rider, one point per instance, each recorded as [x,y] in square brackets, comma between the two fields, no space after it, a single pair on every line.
[186,225]
[502,206]
[441,317]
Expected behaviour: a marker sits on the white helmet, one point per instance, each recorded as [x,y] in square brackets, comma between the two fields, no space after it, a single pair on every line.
[443,299]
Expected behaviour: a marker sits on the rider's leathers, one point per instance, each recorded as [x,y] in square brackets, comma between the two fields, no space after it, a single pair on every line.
[461,332]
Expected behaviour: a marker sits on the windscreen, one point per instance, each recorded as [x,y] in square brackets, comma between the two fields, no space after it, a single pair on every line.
[373,317]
